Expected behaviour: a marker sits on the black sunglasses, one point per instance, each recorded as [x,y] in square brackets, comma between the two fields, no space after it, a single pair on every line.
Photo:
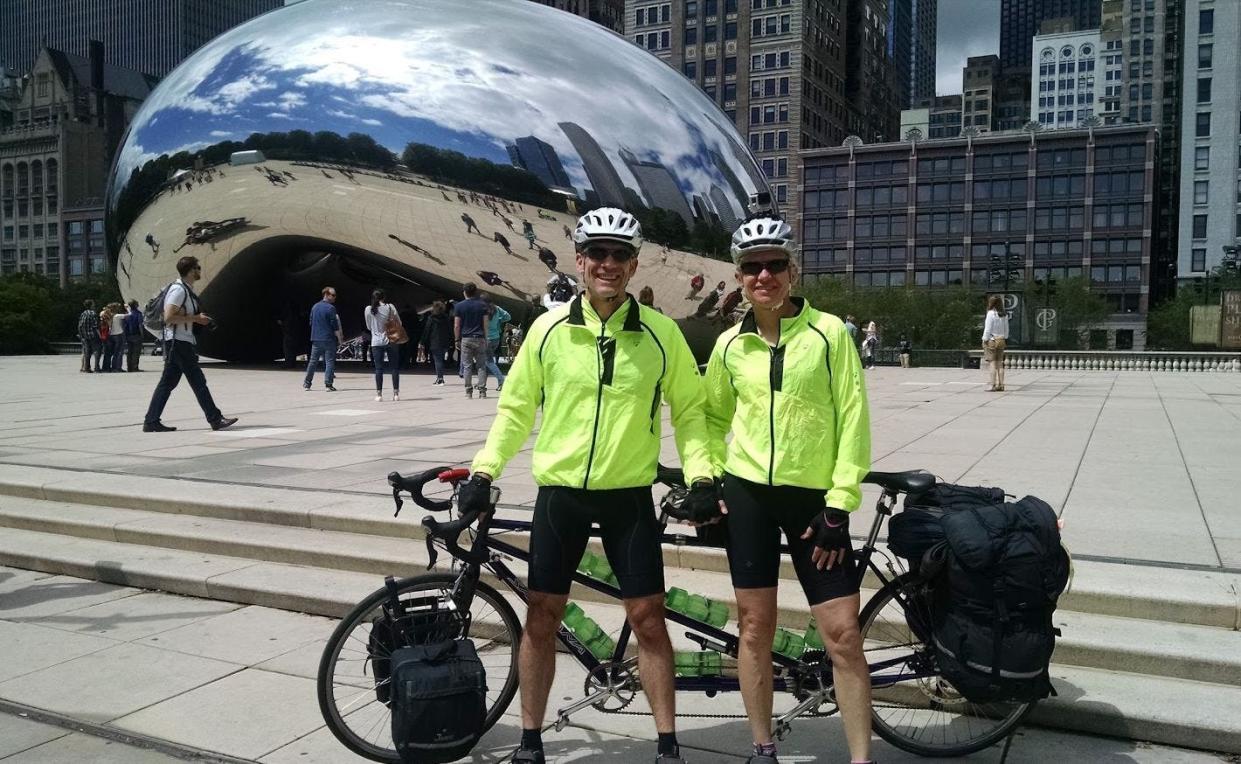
[758,266]
[620,255]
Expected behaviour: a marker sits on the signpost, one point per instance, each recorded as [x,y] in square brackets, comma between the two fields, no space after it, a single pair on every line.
[1230,319]
[1046,326]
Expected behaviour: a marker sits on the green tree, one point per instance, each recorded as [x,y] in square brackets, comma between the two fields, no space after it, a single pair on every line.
[1077,308]
[35,311]
[1167,326]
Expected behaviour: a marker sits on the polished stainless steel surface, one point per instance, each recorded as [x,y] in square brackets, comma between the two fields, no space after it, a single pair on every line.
[379,127]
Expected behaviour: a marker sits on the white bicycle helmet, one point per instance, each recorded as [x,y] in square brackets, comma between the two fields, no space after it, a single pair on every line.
[608,224]
[762,233]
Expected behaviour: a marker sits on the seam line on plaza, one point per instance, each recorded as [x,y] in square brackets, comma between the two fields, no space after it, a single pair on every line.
[1188,475]
[115,734]
[1086,448]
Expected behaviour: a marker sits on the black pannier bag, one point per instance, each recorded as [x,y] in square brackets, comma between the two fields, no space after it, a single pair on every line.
[917,527]
[404,624]
[439,693]
[997,577]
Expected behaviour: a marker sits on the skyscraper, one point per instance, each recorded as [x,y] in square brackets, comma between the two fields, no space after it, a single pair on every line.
[778,70]
[1020,20]
[911,47]
[149,36]
[540,158]
[1210,194]
[608,13]
[658,185]
[605,182]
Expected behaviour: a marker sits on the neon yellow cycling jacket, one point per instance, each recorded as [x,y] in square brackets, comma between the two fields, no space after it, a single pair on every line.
[600,385]
[797,411]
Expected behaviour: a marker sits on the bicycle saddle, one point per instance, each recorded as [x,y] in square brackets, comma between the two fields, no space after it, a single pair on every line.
[910,481]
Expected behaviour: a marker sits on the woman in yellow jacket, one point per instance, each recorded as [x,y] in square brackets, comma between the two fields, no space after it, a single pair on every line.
[786,382]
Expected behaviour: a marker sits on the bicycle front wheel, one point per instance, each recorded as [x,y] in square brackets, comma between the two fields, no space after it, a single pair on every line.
[913,707]
[354,702]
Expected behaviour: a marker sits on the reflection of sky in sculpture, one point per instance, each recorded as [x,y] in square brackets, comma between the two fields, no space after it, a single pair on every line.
[437,72]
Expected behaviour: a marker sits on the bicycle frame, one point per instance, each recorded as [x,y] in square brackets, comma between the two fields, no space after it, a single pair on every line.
[491,552]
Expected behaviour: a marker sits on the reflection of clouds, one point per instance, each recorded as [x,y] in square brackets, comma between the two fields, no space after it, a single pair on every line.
[464,79]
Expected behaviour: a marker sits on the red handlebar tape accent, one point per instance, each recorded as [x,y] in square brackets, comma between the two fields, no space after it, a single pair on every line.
[452,476]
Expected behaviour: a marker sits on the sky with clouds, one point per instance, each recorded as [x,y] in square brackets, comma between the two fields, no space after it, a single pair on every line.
[965,28]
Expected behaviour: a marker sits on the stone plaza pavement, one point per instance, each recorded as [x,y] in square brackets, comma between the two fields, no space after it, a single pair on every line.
[1142,466]
[117,675]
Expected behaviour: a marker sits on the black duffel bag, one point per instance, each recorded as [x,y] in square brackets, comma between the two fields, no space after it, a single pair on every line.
[439,701]
[918,527]
[996,580]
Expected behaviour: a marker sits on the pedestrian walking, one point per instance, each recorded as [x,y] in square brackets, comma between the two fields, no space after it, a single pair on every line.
[799,447]
[384,323]
[995,342]
[437,337]
[88,334]
[470,331]
[503,242]
[695,286]
[325,337]
[183,312]
[870,346]
[133,336]
[597,470]
[497,317]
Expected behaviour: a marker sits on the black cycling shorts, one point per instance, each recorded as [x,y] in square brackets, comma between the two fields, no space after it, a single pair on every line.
[756,515]
[628,527]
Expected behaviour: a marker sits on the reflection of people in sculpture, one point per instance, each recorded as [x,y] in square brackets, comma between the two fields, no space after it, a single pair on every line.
[508,223]
[568,233]
[469,223]
[503,242]
[153,244]
[527,230]
[695,285]
[710,301]
[548,258]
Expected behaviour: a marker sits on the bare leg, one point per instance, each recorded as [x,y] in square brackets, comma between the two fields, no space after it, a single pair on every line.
[757,619]
[838,625]
[655,664]
[536,661]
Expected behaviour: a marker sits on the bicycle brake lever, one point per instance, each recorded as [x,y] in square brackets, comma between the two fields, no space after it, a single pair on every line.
[432,555]
[396,498]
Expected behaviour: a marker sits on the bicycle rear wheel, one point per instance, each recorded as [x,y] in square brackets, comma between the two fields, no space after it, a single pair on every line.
[913,707]
[349,693]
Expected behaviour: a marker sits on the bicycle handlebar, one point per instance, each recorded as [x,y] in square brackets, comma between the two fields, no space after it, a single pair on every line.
[446,532]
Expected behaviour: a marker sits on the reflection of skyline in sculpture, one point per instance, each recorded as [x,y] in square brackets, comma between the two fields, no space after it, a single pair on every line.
[388,128]
[540,158]
[658,185]
[606,183]
[723,208]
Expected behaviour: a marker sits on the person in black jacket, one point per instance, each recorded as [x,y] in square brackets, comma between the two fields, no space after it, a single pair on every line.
[437,337]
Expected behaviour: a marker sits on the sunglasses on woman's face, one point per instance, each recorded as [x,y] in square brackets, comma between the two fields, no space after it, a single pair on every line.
[756,267]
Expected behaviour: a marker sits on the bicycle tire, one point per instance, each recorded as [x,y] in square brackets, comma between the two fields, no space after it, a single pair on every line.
[370,734]
[889,629]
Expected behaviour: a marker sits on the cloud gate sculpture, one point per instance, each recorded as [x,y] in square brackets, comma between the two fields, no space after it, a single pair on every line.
[414,145]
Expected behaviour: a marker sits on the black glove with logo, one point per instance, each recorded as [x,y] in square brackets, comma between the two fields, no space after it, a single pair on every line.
[829,531]
[474,496]
[702,503]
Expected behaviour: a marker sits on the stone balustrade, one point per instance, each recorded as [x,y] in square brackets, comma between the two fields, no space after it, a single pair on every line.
[1120,360]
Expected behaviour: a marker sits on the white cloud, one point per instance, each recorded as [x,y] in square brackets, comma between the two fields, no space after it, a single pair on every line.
[279,115]
[372,122]
[220,133]
[291,100]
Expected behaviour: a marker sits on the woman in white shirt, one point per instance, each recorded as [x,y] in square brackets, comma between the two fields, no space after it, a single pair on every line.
[384,354]
[995,340]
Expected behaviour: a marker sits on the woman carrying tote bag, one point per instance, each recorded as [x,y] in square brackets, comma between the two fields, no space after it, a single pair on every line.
[387,334]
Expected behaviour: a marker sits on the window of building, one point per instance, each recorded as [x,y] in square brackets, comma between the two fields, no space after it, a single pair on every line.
[1206,21]
[691,69]
[1203,124]
[711,34]
[691,35]
[1200,227]
[1200,192]
[1198,260]
[1204,90]
[1205,51]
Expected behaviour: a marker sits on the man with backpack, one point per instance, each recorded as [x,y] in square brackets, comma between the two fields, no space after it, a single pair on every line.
[181,312]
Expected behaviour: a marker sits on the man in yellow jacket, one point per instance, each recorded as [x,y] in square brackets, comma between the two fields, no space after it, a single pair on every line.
[598,367]
[786,382]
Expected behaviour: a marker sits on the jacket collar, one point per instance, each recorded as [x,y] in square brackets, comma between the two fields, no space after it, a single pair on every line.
[579,308]
[749,325]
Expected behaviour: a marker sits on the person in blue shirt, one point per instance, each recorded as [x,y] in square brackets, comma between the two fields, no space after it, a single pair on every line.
[325,336]
[497,318]
[470,332]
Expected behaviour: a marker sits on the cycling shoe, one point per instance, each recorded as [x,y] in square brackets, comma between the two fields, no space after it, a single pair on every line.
[526,756]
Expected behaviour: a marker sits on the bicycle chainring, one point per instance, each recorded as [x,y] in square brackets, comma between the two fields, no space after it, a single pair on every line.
[618,679]
[811,676]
